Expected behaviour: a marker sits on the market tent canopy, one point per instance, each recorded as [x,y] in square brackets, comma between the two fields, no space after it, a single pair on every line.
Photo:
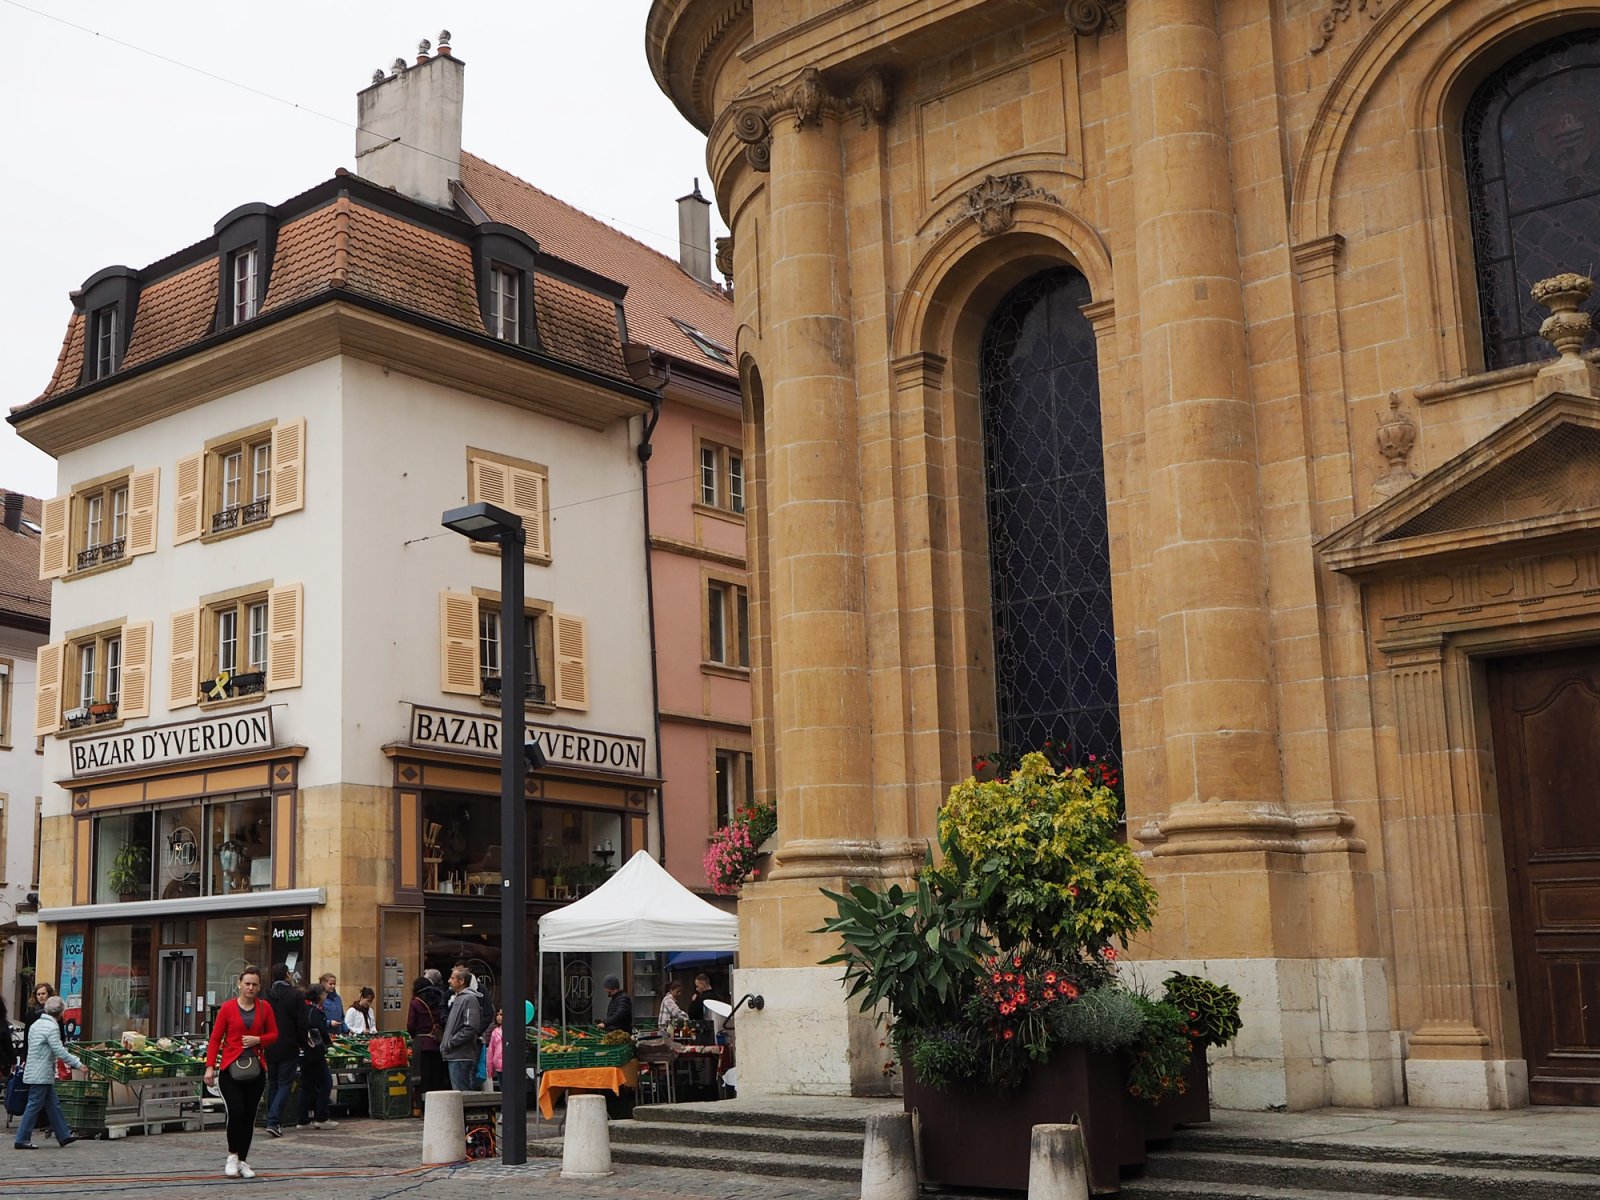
[641,907]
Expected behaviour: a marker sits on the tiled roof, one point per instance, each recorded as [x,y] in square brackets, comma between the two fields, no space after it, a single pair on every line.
[22,592]
[658,288]
[173,312]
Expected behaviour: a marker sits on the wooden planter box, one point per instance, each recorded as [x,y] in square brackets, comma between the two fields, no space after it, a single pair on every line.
[979,1137]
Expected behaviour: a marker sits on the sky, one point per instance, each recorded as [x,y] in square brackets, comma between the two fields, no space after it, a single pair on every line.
[133,127]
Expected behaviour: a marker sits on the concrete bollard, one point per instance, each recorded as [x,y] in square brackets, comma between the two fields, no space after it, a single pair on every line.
[443,1129]
[1058,1167]
[586,1139]
[889,1158]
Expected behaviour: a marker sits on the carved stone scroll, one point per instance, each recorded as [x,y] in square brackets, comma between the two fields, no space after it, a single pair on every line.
[1340,10]
[992,203]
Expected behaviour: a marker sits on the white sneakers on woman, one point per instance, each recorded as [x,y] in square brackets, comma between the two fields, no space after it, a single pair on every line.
[244,1170]
[231,1167]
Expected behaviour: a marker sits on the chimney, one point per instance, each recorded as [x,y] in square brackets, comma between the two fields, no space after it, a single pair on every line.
[408,126]
[694,234]
[13,511]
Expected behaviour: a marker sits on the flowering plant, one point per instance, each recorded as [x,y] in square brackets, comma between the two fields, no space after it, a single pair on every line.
[735,848]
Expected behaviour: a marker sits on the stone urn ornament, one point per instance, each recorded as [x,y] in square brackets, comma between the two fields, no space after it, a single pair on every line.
[1567,326]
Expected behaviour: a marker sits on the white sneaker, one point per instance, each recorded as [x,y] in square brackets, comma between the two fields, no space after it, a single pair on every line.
[323,1124]
[244,1170]
[231,1167]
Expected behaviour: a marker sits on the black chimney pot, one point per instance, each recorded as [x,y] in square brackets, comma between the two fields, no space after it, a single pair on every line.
[13,511]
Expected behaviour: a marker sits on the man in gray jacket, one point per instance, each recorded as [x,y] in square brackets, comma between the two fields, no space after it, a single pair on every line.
[462,1028]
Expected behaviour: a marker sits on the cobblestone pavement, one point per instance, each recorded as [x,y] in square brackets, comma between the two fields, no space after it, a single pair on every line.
[359,1160]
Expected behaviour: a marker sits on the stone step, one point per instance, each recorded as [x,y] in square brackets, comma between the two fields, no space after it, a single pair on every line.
[1185,1189]
[1207,1141]
[1372,1177]
[757,1163]
[723,1114]
[759,1139]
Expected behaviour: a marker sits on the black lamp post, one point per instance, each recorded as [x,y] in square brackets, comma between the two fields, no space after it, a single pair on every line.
[484,522]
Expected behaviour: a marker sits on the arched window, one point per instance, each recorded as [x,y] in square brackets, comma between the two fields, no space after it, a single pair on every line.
[1532,141]
[1050,562]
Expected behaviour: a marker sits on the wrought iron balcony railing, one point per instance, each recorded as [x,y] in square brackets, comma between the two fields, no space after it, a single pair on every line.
[244,514]
[103,553]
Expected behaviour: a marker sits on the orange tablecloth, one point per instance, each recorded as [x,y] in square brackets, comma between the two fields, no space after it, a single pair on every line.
[554,1084]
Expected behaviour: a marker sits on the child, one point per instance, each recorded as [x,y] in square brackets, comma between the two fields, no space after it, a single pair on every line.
[494,1058]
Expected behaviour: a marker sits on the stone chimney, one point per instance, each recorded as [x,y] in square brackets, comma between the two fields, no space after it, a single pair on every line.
[408,125]
[13,511]
[694,234]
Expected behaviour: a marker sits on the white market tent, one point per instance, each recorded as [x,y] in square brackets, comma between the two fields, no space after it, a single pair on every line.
[641,907]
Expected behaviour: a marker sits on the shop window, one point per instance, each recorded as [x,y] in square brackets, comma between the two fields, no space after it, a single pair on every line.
[469,651]
[721,479]
[466,845]
[95,676]
[574,850]
[124,864]
[237,646]
[239,843]
[120,997]
[732,784]
[218,848]
[108,520]
[180,854]
[232,944]
[727,624]
[518,486]
[241,481]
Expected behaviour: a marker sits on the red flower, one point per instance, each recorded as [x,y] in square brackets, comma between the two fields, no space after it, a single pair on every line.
[1009,977]
[1009,1034]
[1109,954]
[1072,889]
[1050,977]
[1022,997]
[1049,994]
[1069,990]
[1016,962]
[997,977]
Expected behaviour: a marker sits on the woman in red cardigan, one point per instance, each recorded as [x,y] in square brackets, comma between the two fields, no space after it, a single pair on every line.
[241,1031]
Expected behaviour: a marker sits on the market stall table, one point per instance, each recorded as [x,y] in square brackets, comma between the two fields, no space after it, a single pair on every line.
[553,1084]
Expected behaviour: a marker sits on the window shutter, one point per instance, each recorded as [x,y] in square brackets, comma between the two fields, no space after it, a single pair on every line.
[487,481]
[53,540]
[288,473]
[143,490]
[186,515]
[528,502]
[458,644]
[572,667]
[47,695]
[135,701]
[285,633]
[183,686]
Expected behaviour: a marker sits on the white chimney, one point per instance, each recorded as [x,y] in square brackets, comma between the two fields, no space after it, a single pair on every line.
[694,234]
[408,127]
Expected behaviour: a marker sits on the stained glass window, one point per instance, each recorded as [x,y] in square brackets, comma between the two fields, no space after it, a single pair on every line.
[1050,562]
[1532,142]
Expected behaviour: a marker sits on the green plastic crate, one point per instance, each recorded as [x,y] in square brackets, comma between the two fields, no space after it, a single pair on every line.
[389,1094]
[84,1114]
[83,1089]
[123,1065]
[589,1056]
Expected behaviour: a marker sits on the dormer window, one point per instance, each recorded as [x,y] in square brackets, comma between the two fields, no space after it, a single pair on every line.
[246,286]
[105,341]
[505,303]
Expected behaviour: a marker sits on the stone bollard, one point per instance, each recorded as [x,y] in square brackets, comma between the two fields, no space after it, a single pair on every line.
[1058,1167]
[586,1139]
[889,1159]
[444,1130]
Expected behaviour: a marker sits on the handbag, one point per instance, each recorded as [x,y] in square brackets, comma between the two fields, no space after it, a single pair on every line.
[246,1068]
[16,1101]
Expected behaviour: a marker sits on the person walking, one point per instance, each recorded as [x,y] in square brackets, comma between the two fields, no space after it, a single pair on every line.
[463,1026]
[316,1081]
[494,1053]
[332,1003]
[243,1029]
[283,1056]
[39,1073]
[425,1024]
[359,1017]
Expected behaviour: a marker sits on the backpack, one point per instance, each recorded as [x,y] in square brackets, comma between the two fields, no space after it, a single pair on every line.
[16,1094]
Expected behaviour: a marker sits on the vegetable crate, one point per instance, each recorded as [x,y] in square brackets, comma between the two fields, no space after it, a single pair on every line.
[181,1065]
[570,1058]
[83,1090]
[125,1066]
[84,1115]
[389,1094]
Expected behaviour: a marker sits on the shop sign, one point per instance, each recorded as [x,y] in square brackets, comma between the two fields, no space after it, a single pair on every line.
[172,743]
[562,747]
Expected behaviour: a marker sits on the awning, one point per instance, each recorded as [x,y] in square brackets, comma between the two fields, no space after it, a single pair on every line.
[697,958]
[233,902]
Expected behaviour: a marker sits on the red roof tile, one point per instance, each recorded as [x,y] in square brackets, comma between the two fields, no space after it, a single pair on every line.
[658,288]
[22,592]
[173,312]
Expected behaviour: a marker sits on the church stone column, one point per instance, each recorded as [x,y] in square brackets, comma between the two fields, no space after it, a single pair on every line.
[1216,667]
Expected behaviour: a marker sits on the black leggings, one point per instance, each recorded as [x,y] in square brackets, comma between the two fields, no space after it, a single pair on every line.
[241,1100]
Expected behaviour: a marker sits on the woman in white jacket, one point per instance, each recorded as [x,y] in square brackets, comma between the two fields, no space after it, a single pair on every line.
[359,1017]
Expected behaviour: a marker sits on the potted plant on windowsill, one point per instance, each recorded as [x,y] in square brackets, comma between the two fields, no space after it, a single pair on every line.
[997,972]
[130,871]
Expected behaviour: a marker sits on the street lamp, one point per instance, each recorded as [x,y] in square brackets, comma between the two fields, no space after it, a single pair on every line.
[484,522]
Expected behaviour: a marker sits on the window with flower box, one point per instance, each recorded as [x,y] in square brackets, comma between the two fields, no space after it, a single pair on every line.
[236,645]
[555,646]
[94,676]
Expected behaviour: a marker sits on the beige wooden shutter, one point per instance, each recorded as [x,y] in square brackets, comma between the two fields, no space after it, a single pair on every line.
[288,468]
[47,694]
[528,502]
[53,541]
[572,666]
[144,488]
[487,481]
[458,644]
[285,633]
[183,664]
[186,514]
[135,701]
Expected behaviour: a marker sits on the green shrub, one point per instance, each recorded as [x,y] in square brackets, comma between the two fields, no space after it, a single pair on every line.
[1162,1051]
[1212,1008]
[1108,1018]
[941,1057]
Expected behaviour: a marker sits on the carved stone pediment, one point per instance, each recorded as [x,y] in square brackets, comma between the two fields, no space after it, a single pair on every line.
[1535,479]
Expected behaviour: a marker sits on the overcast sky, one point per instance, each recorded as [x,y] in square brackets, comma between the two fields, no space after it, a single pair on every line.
[123,151]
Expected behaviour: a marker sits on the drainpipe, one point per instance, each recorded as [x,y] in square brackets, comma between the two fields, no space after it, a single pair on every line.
[650,369]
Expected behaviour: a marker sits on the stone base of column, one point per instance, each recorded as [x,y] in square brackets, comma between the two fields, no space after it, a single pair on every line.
[808,1040]
[1483,1084]
[1317,1032]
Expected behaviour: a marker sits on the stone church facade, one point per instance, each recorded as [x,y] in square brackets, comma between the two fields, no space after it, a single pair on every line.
[1163,377]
